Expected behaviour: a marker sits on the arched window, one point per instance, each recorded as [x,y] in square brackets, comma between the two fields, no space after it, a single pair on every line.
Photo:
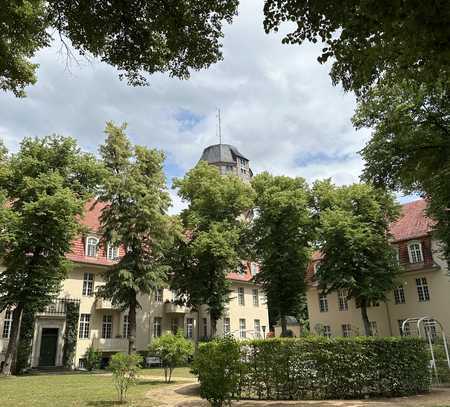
[91,246]
[415,252]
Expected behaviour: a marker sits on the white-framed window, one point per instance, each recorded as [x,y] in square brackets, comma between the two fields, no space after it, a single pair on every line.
[399,295]
[346,330]
[253,268]
[397,254]
[242,328]
[316,267]
[107,327]
[255,293]
[189,328]
[257,328]
[112,252]
[343,302]
[323,303]
[7,323]
[241,296]
[226,326]
[327,331]
[406,331]
[422,289]
[157,327]
[205,327]
[126,327]
[91,246]
[159,295]
[174,295]
[415,252]
[374,328]
[85,323]
[82,363]
[88,284]
[174,325]
[430,328]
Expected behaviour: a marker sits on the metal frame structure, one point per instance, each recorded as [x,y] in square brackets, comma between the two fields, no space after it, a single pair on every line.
[426,323]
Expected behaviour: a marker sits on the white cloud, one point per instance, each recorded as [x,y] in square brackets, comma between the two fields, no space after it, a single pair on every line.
[278,107]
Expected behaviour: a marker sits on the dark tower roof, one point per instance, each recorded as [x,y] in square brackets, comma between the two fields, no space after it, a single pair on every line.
[221,153]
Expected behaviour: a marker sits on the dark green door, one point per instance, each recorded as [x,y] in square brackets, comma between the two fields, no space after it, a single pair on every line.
[49,342]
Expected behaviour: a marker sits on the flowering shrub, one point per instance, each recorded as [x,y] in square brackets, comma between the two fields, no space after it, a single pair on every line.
[320,368]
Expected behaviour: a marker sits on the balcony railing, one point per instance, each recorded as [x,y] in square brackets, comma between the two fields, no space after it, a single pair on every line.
[59,307]
[171,308]
[111,344]
[101,303]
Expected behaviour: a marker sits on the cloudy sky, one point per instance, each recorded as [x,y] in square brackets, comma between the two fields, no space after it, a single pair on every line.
[277,103]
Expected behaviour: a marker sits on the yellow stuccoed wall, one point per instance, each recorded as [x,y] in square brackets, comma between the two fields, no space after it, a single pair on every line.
[72,288]
[388,314]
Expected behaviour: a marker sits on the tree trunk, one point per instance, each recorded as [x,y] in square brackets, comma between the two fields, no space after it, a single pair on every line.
[11,352]
[283,325]
[365,318]
[132,328]
[213,327]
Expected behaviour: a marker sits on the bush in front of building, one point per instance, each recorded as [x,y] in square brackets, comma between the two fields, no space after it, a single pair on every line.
[173,350]
[92,359]
[316,368]
[218,366]
[125,370]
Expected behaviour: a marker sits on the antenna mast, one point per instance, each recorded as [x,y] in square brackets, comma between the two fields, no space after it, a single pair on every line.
[220,128]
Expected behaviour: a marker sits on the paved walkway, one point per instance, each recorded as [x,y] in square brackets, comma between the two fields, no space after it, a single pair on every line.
[186,395]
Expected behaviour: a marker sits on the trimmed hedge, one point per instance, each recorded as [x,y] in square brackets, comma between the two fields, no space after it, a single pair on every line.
[320,368]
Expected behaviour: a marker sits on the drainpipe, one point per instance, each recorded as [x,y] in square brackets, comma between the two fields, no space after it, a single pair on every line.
[389,318]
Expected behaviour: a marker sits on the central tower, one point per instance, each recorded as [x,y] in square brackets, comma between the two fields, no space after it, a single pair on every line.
[228,160]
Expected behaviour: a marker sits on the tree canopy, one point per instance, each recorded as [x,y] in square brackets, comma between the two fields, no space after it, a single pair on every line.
[410,145]
[370,40]
[44,187]
[357,256]
[214,223]
[136,37]
[135,218]
[282,233]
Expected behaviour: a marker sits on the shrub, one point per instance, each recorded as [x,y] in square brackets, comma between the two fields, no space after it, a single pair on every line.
[173,350]
[92,359]
[217,364]
[125,370]
[316,368]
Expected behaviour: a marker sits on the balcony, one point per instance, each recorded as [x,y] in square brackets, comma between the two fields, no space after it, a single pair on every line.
[59,307]
[111,345]
[101,303]
[171,308]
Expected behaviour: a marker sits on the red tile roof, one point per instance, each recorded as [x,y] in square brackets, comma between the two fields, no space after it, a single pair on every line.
[91,220]
[412,223]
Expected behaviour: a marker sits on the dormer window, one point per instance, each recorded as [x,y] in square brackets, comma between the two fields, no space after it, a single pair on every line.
[112,252]
[254,269]
[415,252]
[316,267]
[91,246]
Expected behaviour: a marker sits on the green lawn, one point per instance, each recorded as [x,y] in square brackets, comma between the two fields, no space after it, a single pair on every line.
[76,390]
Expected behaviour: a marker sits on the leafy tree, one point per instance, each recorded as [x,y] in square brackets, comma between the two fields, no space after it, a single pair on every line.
[125,370]
[354,240]
[44,187]
[370,40]
[173,350]
[410,146]
[283,231]
[214,223]
[135,218]
[92,359]
[135,37]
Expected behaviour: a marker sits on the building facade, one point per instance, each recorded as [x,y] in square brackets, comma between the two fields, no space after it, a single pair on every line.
[105,327]
[423,288]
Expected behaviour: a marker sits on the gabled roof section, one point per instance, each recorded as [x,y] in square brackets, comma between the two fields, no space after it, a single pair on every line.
[412,223]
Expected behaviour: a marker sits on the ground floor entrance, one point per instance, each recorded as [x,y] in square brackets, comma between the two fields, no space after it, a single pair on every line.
[49,343]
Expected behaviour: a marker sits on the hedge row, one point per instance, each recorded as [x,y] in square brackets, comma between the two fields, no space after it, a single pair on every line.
[313,368]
